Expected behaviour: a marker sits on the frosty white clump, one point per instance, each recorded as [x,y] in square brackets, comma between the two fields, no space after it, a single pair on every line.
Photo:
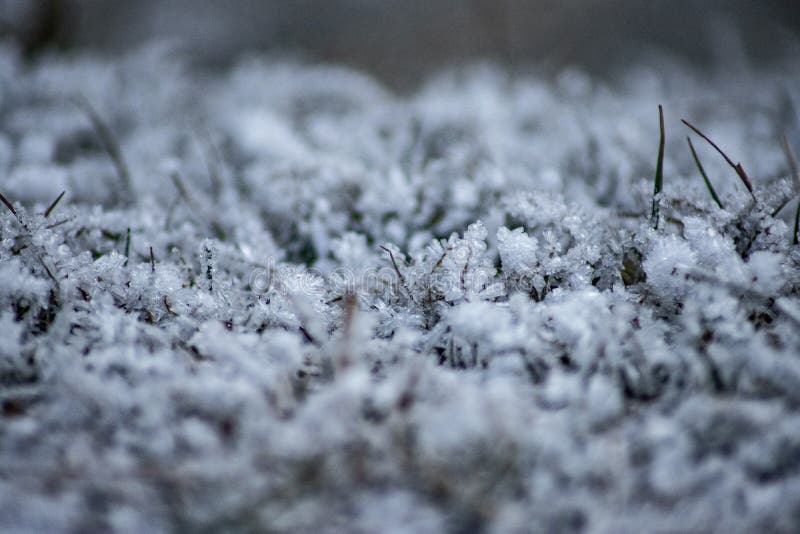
[320,306]
[669,266]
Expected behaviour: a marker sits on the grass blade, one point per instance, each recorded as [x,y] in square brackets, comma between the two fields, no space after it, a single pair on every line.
[658,182]
[796,221]
[735,166]
[9,205]
[127,247]
[704,175]
[792,160]
[54,204]
[181,187]
[110,144]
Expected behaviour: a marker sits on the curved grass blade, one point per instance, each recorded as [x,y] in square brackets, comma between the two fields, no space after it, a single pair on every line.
[735,166]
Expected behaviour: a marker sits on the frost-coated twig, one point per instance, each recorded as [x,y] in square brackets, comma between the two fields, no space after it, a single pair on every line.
[441,259]
[27,230]
[399,274]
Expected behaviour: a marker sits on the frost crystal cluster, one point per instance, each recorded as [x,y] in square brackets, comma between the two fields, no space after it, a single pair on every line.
[280,298]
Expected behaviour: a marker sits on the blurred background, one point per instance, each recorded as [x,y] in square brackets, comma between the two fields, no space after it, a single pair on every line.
[401,40]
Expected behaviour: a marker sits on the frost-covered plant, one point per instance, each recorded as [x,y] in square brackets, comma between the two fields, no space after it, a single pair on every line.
[283,298]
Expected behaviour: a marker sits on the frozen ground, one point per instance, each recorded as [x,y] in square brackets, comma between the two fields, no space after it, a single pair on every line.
[446,312]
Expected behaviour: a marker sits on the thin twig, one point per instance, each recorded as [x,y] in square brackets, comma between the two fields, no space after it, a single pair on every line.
[441,259]
[168,306]
[394,263]
[306,335]
[736,166]
[152,261]
[25,227]
[463,278]
[54,204]
[59,223]
[704,175]
[399,274]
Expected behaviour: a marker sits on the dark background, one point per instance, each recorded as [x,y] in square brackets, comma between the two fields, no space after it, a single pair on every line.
[400,40]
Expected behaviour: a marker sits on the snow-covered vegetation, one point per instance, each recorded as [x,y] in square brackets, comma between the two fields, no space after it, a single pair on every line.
[281,298]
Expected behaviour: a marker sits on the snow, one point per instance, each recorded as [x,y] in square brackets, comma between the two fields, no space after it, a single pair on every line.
[444,311]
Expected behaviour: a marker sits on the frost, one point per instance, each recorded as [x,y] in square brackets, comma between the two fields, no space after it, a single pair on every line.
[669,266]
[328,307]
[18,285]
[767,271]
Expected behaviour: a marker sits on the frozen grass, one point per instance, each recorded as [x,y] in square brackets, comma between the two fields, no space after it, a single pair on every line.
[283,299]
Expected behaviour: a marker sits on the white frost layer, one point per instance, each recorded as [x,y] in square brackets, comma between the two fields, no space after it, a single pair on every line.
[367,313]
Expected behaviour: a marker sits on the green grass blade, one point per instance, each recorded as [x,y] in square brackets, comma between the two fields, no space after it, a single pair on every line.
[704,175]
[658,182]
[54,204]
